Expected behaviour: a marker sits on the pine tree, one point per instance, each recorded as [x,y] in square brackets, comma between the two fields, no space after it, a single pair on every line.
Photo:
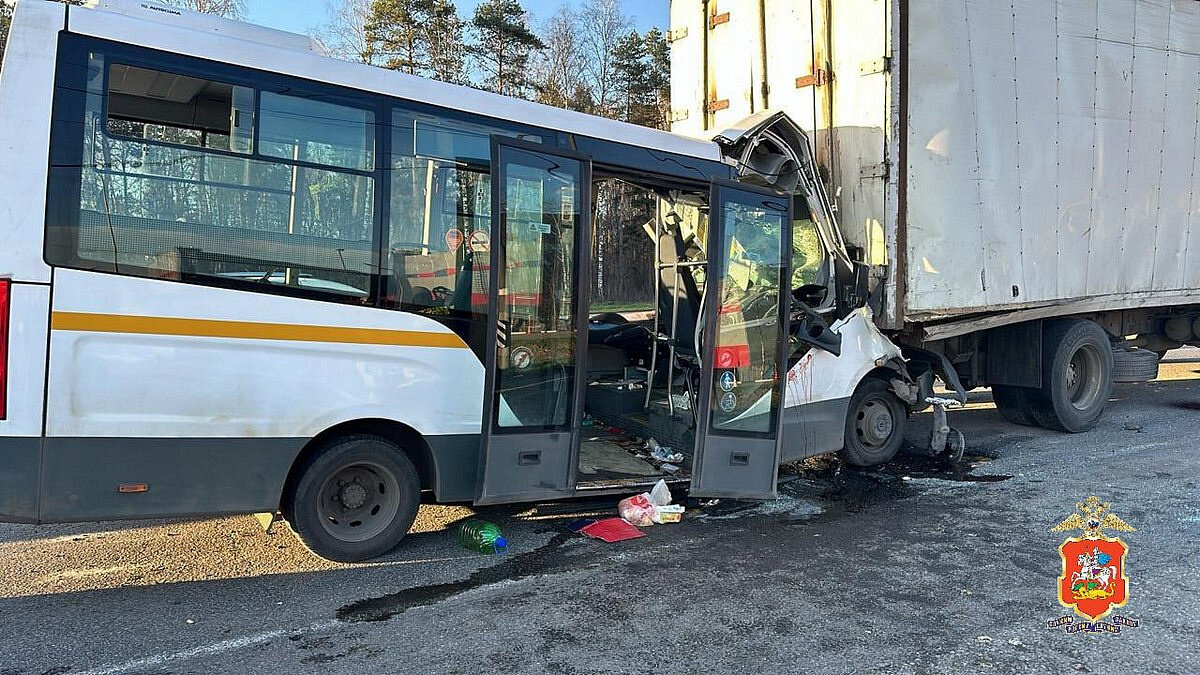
[444,38]
[630,81]
[502,46]
[659,52]
[394,34]
[419,37]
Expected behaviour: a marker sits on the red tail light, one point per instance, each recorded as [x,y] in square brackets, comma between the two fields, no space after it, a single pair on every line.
[5,286]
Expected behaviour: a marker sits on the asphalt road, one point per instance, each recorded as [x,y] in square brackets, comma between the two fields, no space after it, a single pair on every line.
[902,570]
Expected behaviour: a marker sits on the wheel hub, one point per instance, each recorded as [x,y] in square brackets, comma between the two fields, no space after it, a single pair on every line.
[352,495]
[874,423]
[1082,378]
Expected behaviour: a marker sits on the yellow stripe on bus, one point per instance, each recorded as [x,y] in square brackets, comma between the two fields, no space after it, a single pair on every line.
[249,330]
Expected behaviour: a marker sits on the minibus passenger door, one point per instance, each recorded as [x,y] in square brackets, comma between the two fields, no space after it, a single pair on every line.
[745,334]
[539,281]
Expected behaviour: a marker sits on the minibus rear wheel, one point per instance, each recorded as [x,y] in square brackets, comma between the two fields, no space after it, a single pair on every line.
[355,498]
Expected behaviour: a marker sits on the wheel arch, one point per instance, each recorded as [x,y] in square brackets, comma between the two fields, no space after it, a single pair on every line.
[409,440]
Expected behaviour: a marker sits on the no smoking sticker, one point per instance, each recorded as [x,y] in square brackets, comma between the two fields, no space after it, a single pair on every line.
[480,241]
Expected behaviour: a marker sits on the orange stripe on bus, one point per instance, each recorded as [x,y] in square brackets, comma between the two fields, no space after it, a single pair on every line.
[249,330]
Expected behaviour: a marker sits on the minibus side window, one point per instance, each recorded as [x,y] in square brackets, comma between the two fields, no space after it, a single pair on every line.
[440,215]
[173,185]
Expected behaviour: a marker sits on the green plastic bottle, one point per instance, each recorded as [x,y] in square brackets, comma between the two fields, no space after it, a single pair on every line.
[482,536]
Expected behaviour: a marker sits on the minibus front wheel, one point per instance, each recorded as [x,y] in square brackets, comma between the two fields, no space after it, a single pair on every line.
[355,498]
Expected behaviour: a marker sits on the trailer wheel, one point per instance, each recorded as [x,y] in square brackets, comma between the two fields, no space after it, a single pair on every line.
[1014,404]
[874,424]
[355,498]
[1077,378]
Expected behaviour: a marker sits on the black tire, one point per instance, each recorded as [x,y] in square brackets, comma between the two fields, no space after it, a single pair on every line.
[874,424]
[1014,404]
[1135,365]
[371,474]
[1077,376]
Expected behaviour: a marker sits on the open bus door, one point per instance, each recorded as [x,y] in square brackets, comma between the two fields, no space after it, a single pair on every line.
[746,307]
[535,359]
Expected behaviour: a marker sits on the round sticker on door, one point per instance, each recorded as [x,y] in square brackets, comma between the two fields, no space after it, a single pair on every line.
[454,239]
[728,401]
[480,241]
[727,381]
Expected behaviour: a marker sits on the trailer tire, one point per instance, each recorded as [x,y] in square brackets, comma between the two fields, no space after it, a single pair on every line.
[875,423]
[1135,365]
[1014,404]
[1077,378]
[354,498]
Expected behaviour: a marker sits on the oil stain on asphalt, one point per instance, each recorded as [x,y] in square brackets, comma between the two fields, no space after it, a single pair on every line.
[825,488]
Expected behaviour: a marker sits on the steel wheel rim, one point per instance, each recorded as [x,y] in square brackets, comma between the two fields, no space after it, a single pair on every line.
[874,423]
[1082,378]
[358,501]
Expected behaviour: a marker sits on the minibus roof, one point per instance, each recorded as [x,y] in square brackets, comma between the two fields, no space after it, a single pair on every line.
[168,28]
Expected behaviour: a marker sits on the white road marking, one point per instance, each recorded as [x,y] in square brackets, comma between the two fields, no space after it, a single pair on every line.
[215,648]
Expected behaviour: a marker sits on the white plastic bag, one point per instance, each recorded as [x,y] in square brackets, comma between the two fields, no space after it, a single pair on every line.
[661,494]
[638,510]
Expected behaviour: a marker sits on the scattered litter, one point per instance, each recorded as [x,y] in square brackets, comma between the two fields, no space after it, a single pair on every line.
[651,507]
[1133,427]
[669,469]
[481,536]
[612,530]
[637,509]
[670,513]
[660,495]
[190,621]
[983,638]
[663,454]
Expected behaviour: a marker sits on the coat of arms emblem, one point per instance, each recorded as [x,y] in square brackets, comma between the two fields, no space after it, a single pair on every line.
[1093,579]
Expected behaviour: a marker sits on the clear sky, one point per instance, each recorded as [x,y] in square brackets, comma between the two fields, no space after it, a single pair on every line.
[299,16]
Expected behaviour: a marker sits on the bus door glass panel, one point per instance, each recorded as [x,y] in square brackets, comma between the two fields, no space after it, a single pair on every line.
[745,337]
[539,264]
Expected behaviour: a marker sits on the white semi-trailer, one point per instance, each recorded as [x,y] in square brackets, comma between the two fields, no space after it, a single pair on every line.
[1020,176]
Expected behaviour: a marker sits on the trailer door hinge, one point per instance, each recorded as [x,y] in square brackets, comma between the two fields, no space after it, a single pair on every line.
[818,78]
[879,170]
[718,19]
[677,34]
[714,105]
[880,65]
